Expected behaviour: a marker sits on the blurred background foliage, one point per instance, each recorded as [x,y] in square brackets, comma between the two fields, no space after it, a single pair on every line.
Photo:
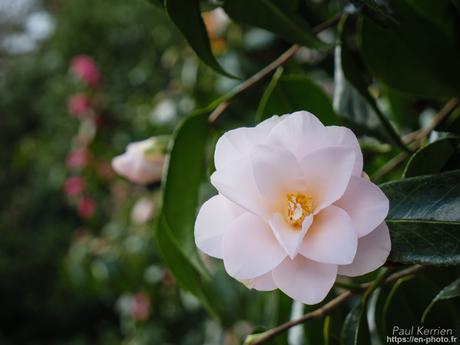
[84,270]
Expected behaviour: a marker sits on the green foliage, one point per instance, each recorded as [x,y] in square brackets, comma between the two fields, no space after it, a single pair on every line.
[450,291]
[187,17]
[424,48]
[439,156]
[290,93]
[279,17]
[424,219]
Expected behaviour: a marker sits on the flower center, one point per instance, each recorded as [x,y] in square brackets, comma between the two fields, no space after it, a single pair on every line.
[299,206]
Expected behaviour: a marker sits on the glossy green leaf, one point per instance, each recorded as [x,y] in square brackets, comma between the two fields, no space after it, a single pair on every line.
[436,157]
[173,234]
[186,274]
[424,219]
[355,329]
[418,54]
[278,16]
[185,172]
[355,72]
[290,93]
[187,17]
[450,291]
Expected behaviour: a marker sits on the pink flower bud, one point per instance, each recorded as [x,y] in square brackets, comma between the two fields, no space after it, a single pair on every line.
[74,185]
[78,158]
[142,162]
[78,105]
[86,69]
[86,207]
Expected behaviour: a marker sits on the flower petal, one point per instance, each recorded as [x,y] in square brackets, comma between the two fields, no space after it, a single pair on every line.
[263,283]
[238,142]
[300,132]
[276,171]
[365,203]
[212,221]
[250,249]
[236,182]
[327,172]
[289,237]
[305,280]
[342,136]
[373,251]
[331,238]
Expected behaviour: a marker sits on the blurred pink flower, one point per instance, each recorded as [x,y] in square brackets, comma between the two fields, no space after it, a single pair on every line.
[84,67]
[78,105]
[74,185]
[142,162]
[141,306]
[86,207]
[78,158]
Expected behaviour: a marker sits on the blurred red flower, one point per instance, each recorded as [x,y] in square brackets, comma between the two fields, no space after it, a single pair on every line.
[74,185]
[86,207]
[84,67]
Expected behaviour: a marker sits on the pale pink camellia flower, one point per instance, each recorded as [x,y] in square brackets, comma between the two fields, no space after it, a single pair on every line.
[78,105]
[142,162]
[74,186]
[86,207]
[78,158]
[84,67]
[293,209]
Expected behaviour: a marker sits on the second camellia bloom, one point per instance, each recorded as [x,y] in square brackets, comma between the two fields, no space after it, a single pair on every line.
[293,208]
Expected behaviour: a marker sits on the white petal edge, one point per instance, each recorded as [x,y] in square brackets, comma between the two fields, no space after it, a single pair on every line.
[300,132]
[263,283]
[342,136]
[211,223]
[289,237]
[373,251]
[236,143]
[249,248]
[327,172]
[365,203]
[236,182]
[331,238]
[305,280]
[276,171]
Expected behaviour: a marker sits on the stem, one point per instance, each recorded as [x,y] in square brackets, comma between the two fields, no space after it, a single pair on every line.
[266,71]
[334,303]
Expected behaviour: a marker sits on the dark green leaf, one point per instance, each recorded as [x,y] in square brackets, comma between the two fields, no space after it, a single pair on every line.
[424,219]
[185,172]
[277,16]
[436,157]
[290,93]
[186,274]
[355,72]
[355,329]
[187,17]
[376,10]
[450,291]
[419,54]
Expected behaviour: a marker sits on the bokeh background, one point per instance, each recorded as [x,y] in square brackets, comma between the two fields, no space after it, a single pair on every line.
[77,261]
[79,81]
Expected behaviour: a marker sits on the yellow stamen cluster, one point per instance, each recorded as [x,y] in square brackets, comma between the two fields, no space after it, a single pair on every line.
[299,206]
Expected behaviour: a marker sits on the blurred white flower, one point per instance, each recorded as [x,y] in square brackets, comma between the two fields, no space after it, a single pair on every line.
[293,209]
[142,210]
[143,161]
